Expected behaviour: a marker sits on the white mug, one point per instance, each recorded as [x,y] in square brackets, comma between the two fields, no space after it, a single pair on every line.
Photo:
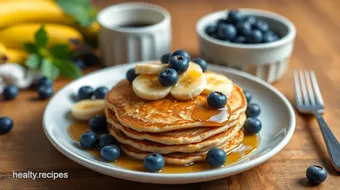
[120,43]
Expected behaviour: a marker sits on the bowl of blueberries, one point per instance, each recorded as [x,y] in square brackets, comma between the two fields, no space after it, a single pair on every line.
[255,41]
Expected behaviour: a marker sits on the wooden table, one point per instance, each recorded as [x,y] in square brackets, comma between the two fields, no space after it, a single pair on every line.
[26,148]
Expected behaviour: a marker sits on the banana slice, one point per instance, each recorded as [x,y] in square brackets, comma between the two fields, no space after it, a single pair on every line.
[190,84]
[218,82]
[195,66]
[87,109]
[150,68]
[149,88]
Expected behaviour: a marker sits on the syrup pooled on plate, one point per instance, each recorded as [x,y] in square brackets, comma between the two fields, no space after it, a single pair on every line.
[249,144]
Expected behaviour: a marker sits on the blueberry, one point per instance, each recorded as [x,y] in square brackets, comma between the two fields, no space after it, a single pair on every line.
[239,40]
[44,81]
[226,32]
[253,125]
[253,110]
[270,37]
[79,63]
[85,92]
[217,100]
[106,139]
[101,92]
[90,59]
[45,92]
[179,63]
[131,74]
[182,53]
[316,174]
[221,22]
[202,63]
[168,77]
[243,28]
[216,157]
[248,95]
[10,92]
[98,124]
[250,19]
[6,124]
[110,153]
[210,30]
[165,58]
[234,16]
[255,36]
[88,140]
[154,162]
[261,25]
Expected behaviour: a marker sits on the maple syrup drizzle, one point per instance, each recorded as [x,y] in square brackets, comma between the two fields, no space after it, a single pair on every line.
[209,116]
[249,144]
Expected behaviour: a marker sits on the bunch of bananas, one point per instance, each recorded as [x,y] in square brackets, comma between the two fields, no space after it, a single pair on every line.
[20,19]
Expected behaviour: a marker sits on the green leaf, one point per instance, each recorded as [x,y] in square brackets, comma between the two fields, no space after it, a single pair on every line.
[41,37]
[33,61]
[81,10]
[60,51]
[49,70]
[68,69]
[30,47]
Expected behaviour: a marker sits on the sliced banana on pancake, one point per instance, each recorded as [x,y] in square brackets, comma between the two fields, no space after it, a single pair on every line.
[190,84]
[149,88]
[218,82]
[195,66]
[87,109]
[150,68]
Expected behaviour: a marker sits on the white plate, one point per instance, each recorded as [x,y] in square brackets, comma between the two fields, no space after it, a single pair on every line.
[277,118]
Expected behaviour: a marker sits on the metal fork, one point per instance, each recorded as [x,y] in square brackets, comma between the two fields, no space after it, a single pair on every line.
[309,101]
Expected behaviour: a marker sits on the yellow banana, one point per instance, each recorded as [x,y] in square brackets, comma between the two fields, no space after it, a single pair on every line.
[14,37]
[90,32]
[12,55]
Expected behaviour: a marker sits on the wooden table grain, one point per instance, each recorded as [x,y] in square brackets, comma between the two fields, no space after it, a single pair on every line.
[317,46]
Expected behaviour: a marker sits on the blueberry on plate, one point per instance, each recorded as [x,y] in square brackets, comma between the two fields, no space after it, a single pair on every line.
[179,63]
[110,153]
[217,100]
[210,30]
[10,92]
[6,124]
[316,174]
[90,59]
[106,139]
[226,32]
[88,140]
[216,157]
[44,81]
[253,110]
[85,92]
[101,92]
[79,63]
[182,53]
[243,28]
[261,25]
[168,77]
[239,40]
[253,125]
[234,16]
[131,74]
[165,58]
[248,95]
[270,37]
[221,22]
[255,36]
[250,19]
[202,63]
[98,124]
[45,92]
[154,162]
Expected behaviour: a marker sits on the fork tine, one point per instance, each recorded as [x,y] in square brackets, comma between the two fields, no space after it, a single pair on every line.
[309,88]
[297,89]
[316,88]
[303,88]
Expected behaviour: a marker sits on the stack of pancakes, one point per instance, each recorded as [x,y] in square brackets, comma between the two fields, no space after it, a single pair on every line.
[166,126]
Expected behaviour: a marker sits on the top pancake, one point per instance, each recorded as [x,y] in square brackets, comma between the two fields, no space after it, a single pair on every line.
[166,114]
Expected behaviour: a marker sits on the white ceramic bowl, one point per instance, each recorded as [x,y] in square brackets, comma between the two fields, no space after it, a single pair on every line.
[267,61]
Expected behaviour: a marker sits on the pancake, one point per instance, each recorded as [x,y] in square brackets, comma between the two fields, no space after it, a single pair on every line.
[185,158]
[149,146]
[185,136]
[166,114]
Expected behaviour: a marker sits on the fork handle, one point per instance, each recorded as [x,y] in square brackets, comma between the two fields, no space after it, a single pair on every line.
[332,144]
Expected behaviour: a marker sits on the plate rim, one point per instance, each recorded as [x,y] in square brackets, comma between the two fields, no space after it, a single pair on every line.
[178,178]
